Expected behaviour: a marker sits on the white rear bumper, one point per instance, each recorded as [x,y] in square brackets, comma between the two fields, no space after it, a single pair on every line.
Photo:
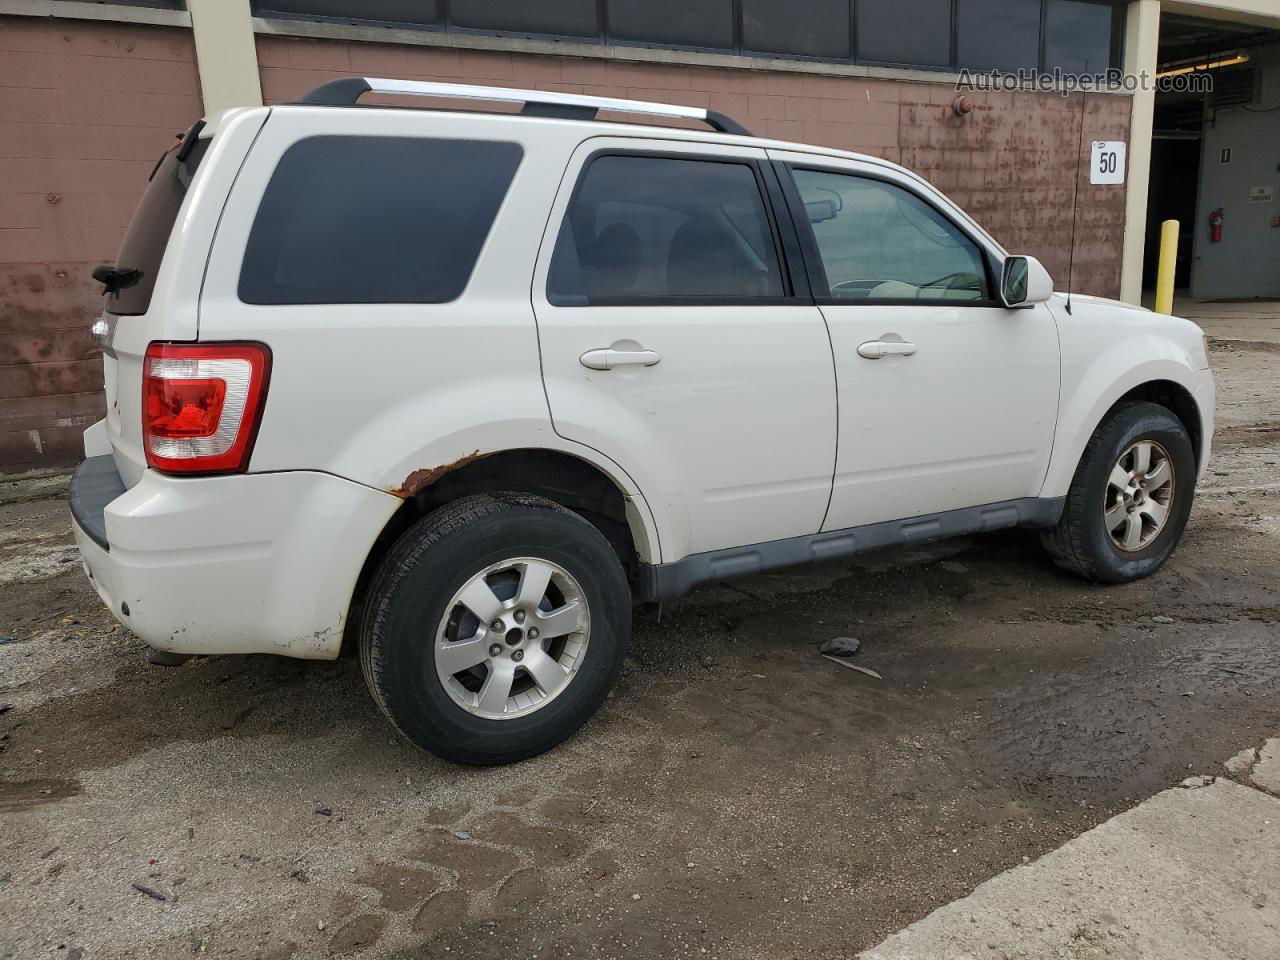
[254,563]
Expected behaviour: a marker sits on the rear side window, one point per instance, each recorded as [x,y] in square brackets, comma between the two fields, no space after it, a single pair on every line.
[643,229]
[148,233]
[375,220]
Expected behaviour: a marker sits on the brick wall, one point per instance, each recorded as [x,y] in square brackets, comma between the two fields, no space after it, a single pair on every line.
[85,110]
[1011,162]
[86,107]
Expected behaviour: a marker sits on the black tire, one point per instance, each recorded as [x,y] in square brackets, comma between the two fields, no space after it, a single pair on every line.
[422,572]
[1080,542]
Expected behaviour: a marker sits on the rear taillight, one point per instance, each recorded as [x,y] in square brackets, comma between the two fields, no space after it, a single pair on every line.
[201,405]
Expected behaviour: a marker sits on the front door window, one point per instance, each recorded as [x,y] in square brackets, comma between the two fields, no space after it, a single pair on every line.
[880,242]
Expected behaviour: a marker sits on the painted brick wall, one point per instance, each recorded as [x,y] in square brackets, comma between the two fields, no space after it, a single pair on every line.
[1011,162]
[85,110]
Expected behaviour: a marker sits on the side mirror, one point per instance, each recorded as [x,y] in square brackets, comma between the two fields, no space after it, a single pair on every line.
[1023,281]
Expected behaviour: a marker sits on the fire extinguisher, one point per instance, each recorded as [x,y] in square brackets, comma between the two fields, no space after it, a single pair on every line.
[1215,226]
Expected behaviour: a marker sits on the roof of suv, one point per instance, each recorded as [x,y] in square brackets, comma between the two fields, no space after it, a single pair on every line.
[553,107]
[346,92]
[564,106]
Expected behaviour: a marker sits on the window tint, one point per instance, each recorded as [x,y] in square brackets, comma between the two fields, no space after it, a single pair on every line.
[421,12]
[571,18]
[878,241]
[152,223]
[646,228]
[905,31]
[687,23]
[374,220]
[805,28]
[1077,37]
[998,34]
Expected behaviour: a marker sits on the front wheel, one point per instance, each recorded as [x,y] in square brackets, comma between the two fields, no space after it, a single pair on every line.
[1130,498]
[495,627]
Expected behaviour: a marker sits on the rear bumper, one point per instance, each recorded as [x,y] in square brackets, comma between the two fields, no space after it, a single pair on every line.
[254,563]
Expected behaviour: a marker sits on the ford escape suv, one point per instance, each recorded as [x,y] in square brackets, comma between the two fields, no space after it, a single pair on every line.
[463,386]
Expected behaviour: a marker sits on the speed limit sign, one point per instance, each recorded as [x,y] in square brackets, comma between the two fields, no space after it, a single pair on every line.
[1106,165]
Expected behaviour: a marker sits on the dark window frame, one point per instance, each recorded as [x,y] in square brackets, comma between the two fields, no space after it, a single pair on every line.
[791,266]
[466,284]
[735,29]
[948,67]
[1118,20]
[448,25]
[745,50]
[261,8]
[813,256]
[1037,53]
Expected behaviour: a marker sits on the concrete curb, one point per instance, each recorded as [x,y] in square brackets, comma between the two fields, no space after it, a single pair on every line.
[1192,872]
[34,485]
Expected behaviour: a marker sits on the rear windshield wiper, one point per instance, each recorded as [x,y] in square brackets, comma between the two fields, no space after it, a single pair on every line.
[116,279]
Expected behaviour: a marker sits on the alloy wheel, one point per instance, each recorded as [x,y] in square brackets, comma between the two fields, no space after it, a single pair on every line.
[1139,495]
[512,638]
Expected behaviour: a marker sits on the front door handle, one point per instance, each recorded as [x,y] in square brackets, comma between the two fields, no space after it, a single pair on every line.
[875,349]
[610,357]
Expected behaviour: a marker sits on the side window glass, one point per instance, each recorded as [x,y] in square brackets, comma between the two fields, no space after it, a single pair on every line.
[375,220]
[878,241]
[643,229]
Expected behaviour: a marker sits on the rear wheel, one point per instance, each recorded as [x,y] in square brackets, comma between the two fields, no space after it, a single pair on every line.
[495,627]
[1130,498]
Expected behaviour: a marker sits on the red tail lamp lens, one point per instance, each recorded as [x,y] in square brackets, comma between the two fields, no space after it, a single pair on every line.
[201,405]
[184,408]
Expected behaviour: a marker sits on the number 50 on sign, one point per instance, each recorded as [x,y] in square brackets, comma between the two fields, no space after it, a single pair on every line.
[1106,164]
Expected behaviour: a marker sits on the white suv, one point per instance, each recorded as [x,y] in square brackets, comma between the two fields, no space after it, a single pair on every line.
[465,385]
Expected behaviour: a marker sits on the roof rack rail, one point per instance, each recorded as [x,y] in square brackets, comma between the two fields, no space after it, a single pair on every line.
[568,106]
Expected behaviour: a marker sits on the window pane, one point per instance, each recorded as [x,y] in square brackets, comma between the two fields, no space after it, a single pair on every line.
[879,241]
[161,4]
[905,31]
[806,28]
[570,18]
[374,220]
[642,228]
[148,234]
[421,12]
[1077,37]
[687,23]
[998,34]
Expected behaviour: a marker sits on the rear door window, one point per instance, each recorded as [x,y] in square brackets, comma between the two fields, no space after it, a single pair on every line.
[643,229]
[375,220]
[152,223]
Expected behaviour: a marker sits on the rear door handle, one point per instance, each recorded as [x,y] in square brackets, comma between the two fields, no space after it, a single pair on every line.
[875,349]
[608,358]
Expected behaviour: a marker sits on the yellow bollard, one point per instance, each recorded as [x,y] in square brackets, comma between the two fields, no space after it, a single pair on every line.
[1168,259]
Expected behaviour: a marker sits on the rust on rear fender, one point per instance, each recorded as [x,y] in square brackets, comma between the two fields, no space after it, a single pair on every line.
[419,480]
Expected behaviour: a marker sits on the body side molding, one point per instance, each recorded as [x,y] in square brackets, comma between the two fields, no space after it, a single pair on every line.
[666,581]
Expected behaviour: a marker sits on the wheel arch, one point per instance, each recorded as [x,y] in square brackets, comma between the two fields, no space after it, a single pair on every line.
[583,486]
[1165,382]
[1175,398]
